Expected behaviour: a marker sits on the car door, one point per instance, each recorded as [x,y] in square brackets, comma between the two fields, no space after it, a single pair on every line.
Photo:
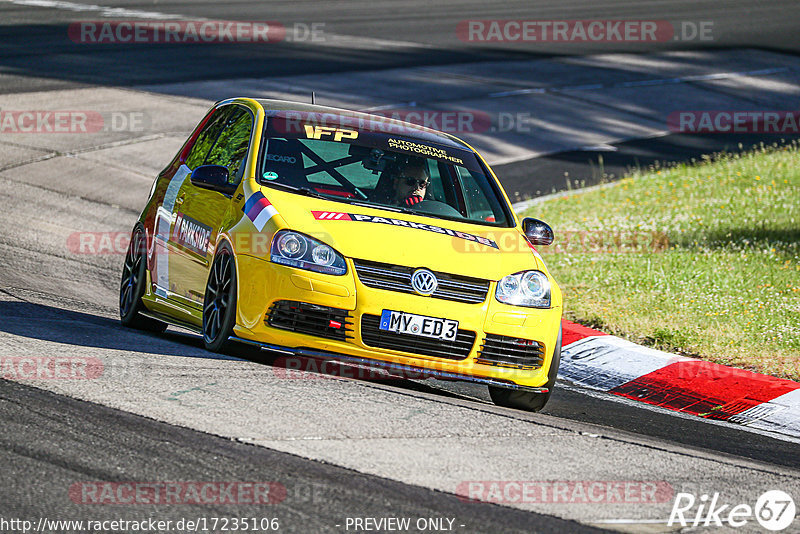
[200,213]
[167,266]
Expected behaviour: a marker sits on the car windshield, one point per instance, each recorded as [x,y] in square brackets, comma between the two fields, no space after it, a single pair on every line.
[383,170]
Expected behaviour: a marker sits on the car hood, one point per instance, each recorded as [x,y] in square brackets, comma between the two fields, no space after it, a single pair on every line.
[405,239]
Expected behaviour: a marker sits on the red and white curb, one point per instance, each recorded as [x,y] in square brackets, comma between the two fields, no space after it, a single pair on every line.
[607,363]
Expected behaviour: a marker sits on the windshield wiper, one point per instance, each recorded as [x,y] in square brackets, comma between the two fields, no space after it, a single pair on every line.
[311,193]
[403,209]
[294,189]
[398,209]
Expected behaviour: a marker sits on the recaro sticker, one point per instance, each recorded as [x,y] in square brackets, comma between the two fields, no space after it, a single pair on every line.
[357,217]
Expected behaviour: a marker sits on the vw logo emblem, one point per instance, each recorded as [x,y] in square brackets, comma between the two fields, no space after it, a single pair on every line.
[424,282]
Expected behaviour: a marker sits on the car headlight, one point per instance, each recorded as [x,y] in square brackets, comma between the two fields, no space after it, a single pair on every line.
[297,250]
[528,288]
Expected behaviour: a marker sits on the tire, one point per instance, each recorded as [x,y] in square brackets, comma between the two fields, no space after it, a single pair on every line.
[528,400]
[219,304]
[132,286]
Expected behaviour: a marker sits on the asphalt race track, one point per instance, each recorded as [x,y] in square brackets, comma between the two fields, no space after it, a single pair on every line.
[161,409]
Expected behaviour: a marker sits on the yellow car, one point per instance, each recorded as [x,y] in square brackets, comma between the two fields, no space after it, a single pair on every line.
[324,233]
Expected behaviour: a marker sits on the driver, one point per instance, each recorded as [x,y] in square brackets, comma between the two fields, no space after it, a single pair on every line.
[410,183]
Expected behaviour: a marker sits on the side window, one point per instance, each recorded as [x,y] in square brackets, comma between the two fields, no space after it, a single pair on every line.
[473,196]
[230,150]
[482,203]
[206,139]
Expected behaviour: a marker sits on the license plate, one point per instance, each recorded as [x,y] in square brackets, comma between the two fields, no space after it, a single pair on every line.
[418,325]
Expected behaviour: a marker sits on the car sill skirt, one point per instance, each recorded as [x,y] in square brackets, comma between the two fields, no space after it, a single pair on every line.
[386,366]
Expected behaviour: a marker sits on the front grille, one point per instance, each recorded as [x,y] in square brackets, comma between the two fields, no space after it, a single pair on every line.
[310,319]
[511,352]
[451,350]
[398,278]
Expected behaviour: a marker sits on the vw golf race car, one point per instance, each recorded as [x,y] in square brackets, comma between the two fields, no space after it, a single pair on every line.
[325,233]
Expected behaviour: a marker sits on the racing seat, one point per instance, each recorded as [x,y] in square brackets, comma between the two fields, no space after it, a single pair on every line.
[384,189]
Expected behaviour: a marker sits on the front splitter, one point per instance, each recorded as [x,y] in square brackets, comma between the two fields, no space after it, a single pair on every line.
[386,366]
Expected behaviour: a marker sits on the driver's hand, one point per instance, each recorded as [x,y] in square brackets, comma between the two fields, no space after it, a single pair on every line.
[412,200]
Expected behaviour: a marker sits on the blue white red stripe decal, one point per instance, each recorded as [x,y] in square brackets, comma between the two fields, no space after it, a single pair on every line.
[259,210]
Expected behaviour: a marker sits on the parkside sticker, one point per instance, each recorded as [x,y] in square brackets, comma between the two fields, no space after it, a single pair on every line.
[340,216]
[191,234]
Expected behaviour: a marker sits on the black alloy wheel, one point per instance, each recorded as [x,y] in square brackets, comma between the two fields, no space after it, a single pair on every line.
[132,285]
[219,304]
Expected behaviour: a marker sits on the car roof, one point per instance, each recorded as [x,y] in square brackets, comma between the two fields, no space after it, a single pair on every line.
[410,130]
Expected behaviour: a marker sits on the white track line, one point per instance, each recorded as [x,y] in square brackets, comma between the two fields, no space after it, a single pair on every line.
[105,11]
[641,83]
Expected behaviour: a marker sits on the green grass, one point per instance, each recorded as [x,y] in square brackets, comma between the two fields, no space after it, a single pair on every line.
[714,271]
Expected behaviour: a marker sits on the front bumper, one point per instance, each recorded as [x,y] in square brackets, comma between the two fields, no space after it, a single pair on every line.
[263,283]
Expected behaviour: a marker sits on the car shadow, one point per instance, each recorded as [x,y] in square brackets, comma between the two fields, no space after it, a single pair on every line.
[57,325]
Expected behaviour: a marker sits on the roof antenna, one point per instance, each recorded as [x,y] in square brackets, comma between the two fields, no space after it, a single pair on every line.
[313,98]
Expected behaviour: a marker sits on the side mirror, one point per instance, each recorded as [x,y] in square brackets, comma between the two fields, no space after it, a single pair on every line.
[538,232]
[213,177]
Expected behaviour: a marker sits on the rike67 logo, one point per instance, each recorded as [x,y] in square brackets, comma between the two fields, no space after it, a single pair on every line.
[774,510]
